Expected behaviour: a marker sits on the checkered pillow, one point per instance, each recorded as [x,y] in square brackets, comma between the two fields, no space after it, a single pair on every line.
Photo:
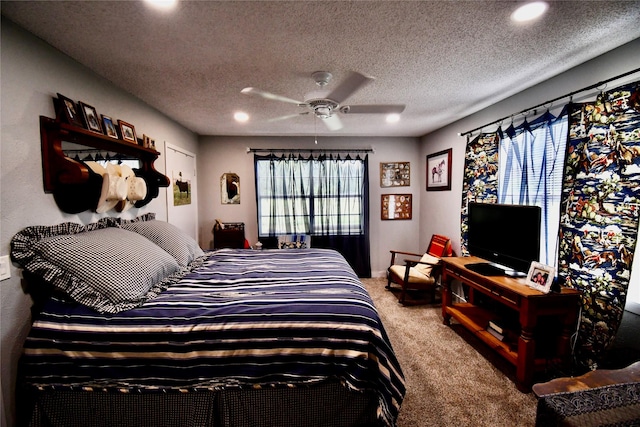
[169,237]
[100,265]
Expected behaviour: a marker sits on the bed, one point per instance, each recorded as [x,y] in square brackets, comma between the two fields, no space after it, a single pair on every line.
[140,327]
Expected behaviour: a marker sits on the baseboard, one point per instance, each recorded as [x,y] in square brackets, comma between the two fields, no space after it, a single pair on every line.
[633,307]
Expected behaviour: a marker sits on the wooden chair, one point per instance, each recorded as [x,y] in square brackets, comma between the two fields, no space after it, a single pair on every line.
[422,272]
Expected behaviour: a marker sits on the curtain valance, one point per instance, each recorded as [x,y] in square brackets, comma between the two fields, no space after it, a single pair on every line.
[311,154]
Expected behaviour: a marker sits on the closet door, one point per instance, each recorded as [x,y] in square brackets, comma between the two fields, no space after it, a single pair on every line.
[182,200]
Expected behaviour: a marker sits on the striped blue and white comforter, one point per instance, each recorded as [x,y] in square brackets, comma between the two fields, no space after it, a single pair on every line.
[242,319]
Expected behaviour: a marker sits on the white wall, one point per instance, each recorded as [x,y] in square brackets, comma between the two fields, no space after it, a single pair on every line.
[32,73]
[220,155]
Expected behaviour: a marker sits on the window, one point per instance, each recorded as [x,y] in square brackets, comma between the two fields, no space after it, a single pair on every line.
[531,160]
[323,196]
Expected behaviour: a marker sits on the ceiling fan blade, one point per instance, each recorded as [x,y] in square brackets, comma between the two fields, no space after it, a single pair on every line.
[349,86]
[373,109]
[269,95]
[288,116]
[333,122]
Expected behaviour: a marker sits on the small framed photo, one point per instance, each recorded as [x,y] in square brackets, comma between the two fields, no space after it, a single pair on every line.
[540,277]
[68,109]
[397,174]
[439,171]
[109,127]
[90,117]
[128,132]
[396,206]
[148,142]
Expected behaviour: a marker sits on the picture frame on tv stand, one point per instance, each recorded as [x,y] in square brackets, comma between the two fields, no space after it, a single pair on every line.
[540,277]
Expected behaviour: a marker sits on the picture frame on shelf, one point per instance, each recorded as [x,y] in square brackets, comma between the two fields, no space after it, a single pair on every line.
[127,131]
[540,277]
[148,142]
[109,127]
[395,174]
[439,171]
[90,117]
[68,109]
[396,206]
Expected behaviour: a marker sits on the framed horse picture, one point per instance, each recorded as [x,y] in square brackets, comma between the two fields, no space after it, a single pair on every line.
[439,171]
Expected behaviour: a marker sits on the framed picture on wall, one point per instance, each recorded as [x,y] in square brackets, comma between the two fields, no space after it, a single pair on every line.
[396,174]
[396,206]
[439,171]
[230,188]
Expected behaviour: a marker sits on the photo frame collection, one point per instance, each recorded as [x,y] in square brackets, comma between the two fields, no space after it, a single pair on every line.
[85,116]
[395,206]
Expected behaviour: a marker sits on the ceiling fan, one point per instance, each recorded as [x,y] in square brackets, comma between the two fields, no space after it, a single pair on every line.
[325,106]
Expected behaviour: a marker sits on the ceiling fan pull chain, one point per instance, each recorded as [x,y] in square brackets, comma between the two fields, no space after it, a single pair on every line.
[315,128]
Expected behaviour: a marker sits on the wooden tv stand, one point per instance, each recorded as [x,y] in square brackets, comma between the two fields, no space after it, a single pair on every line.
[489,295]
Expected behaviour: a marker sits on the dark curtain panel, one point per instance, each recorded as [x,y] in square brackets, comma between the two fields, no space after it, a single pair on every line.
[599,220]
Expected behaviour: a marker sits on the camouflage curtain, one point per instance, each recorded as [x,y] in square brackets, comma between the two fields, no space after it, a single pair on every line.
[599,214]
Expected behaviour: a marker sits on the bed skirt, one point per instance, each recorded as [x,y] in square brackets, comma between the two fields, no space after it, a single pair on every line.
[320,405]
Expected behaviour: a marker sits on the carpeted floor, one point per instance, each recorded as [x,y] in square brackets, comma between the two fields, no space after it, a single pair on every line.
[452,380]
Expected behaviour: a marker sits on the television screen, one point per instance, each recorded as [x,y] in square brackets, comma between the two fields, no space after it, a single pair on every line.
[507,235]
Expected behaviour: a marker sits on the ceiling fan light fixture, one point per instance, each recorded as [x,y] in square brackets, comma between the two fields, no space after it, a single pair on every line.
[322,78]
[323,112]
[322,108]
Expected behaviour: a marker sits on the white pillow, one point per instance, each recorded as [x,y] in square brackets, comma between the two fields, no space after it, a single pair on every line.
[424,268]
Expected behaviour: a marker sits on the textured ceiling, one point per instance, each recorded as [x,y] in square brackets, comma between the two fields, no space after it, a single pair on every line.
[443,59]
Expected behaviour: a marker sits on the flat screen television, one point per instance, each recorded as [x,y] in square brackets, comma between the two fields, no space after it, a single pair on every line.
[506,236]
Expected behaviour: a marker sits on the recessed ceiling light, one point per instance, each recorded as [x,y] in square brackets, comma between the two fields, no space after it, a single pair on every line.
[393,118]
[162,4]
[529,11]
[241,116]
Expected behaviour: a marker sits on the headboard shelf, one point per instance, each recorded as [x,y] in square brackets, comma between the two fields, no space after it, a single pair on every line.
[63,175]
